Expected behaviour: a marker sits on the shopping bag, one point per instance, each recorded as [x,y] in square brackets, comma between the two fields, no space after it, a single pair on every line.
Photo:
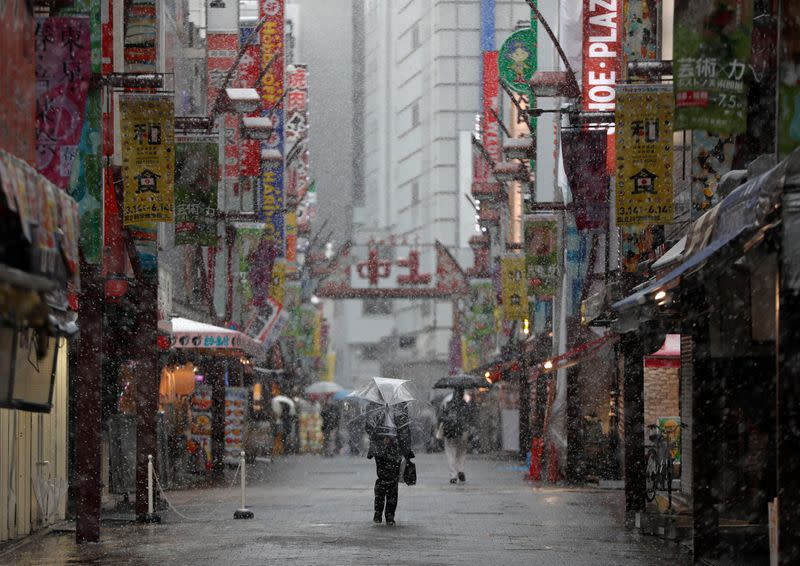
[410,473]
[440,431]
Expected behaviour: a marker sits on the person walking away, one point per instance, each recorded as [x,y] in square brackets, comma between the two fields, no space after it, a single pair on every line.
[454,427]
[330,427]
[389,442]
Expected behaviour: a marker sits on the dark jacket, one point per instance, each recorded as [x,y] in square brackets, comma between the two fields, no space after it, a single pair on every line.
[455,417]
[383,445]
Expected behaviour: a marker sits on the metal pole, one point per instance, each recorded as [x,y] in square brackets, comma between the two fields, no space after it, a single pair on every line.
[151,516]
[243,512]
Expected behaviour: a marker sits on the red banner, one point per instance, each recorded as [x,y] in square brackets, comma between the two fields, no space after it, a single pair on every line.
[18,69]
[587,176]
[222,50]
[491,91]
[601,54]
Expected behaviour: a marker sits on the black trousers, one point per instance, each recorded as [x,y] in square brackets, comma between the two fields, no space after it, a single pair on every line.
[386,485]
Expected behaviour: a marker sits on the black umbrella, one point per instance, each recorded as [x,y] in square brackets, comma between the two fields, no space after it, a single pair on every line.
[461,382]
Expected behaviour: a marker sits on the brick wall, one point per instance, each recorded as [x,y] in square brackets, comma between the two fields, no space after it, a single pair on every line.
[661,393]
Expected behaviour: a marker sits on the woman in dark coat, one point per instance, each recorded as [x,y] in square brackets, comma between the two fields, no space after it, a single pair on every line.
[389,433]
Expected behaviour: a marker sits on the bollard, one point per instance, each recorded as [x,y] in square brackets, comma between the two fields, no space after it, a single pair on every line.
[243,512]
[151,516]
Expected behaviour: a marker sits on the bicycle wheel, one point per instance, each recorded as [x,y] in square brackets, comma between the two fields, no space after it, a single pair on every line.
[650,475]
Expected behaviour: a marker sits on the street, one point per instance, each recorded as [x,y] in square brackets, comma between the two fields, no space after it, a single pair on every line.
[314,510]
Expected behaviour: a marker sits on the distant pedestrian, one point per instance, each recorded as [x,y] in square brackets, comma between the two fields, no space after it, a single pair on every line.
[330,427]
[389,442]
[454,425]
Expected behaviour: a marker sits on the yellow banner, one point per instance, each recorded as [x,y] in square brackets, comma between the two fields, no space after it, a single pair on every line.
[148,158]
[277,287]
[316,344]
[515,288]
[644,154]
[330,367]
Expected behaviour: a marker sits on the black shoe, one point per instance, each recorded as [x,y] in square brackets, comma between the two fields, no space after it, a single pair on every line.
[376,518]
[461,476]
[390,520]
[453,480]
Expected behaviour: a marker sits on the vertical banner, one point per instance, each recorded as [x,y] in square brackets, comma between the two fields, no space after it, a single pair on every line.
[515,288]
[789,79]
[141,36]
[199,445]
[222,50]
[235,413]
[63,68]
[272,195]
[479,325]
[712,55]
[601,50]
[587,176]
[291,241]
[640,31]
[248,71]
[541,256]
[711,159]
[196,173]
[644,155]
[18,69]
[277,284]
[491,105]
[148,158]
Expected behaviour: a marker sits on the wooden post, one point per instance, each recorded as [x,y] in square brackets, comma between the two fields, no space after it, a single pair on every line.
[633,393]
[88,385]
[147,382]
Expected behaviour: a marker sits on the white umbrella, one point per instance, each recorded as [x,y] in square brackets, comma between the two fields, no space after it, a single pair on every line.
[280,400]
[323,388]
[386,391]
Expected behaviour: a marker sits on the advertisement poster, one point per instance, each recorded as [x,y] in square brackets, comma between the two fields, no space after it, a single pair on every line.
[640,31]
[63,69]
[644,155]
[789,80]
[196,172]
[541,257]
[712,58]
[711,159]
[271,199]
[517,60]
[515,288]
[148,158]
[199,445]
[235,413]
[478,338]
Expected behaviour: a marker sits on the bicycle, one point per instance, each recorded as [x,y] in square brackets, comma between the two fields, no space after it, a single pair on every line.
[659,462]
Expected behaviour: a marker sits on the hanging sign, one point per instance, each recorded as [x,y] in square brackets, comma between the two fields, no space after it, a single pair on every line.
[712,55]
[601,48]
[541,256]
[587,176]
[515,288]
[517,60]
[789,79]
[644,155]
[196,171]
[148,158]
[491,107]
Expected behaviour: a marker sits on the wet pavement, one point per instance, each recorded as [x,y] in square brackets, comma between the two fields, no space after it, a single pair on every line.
[315,510]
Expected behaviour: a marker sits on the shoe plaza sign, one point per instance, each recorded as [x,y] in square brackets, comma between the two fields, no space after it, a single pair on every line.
[388,270]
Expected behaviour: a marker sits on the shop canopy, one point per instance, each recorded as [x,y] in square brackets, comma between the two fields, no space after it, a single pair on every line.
[741,219]
[186,333]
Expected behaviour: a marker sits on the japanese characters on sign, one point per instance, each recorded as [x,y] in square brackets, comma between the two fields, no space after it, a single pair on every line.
[222,49]
[63,68]
[196,172]
[148,158]
[248,71]
[541,256]
[601,46]
[644,155]
[272,191]
[18,69]
[515,288]
[479,325]
[711,60]
[491,90]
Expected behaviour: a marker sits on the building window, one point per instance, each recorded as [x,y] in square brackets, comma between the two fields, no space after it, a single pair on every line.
[415,36]
[375,307]
[415,115]
[415,192]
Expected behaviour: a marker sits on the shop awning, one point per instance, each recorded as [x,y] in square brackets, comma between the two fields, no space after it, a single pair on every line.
[187,333]
[740,217]
[578,354]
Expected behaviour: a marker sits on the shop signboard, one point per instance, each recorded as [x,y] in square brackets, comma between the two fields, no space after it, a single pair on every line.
[196,172]
[277,283]
[63,69]
[601,46]
[199,445]
[517,60]
[247,77]
[479,325]
[712,156]
[271,198]
[491,106]
[235,413]
[222,51]
[712,57]
[515,288]
[644,155]
[18,87]
[291,241]
[789,79]
[541,256]
[148,158]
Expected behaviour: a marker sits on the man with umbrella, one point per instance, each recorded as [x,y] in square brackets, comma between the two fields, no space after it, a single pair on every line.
[388,426]
[454,422]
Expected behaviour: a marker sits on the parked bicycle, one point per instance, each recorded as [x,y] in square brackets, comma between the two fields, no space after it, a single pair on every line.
[659,461]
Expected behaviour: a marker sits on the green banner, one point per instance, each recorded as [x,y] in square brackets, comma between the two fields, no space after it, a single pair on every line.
[196,172]
[789,82]
[712,64]
[517,60]
[541,257]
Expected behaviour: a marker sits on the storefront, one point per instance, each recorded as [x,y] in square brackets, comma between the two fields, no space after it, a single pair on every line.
[38,279]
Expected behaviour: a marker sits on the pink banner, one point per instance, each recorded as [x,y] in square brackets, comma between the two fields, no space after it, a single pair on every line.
[63,69]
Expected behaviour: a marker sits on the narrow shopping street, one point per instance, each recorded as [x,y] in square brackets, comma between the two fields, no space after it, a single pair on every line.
[314,510]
